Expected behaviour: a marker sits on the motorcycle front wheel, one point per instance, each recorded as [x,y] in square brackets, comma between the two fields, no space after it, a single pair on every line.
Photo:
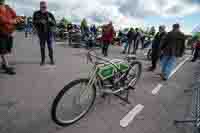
[73,102]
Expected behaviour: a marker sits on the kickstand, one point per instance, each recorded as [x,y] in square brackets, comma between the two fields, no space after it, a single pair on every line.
[126,99]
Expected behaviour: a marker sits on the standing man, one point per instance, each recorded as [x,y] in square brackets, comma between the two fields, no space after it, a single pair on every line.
[8,21]
[94,30]
[28,26]
[156,47]
[107,37]
[172,47]
[137,40]
[70,29]
[44,22]
[84,29]
[130,37]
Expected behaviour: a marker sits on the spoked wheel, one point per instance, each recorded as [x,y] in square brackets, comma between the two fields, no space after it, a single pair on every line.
[73,102]
[134,73]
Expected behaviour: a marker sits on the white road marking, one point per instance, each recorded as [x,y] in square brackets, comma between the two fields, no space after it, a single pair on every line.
[131,115]
[178,67]
[157,89]
[159,86]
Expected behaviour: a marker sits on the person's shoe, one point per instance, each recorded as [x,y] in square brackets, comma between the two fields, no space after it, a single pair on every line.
[3,66]
[10,71]
[52,63]
[133,53]
[151,69]
[193,60]
[42,63]
[163,77]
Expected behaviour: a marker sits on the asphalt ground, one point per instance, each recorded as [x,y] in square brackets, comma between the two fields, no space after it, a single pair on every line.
[26,98]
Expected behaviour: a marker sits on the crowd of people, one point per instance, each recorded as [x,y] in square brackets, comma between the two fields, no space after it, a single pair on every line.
[166,47]
[134,37]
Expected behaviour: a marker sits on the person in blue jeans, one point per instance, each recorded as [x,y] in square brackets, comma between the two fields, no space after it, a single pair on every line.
[28,27]
[45,23]
[172,47]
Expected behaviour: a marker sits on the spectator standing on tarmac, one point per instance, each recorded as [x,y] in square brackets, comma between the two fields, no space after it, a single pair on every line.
[143,37]
[156,47]
[107,37]
[28,26]
[8,21]
[137,40]
[152,31]
[93,29]
[44,22]
[197,50]
[172,47]
[84,29]
[130,37]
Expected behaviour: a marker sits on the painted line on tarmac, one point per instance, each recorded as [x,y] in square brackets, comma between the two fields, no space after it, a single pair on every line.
[179,66]
[156,90]
[124,122]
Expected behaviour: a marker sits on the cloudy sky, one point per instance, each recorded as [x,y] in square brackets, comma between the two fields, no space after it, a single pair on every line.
[123,13]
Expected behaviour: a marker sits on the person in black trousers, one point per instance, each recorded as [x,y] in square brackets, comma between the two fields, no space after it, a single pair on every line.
[107,38]
[44,22]
[130,37]
[137,40]
[156,47]
[197,51]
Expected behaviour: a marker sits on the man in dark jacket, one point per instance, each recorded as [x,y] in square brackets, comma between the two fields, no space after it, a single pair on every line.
[137,40]
[156,47]
[172,47]
[130,36]
[44,22]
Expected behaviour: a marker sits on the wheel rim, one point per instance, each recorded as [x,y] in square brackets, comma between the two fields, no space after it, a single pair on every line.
[133,75]
[75,103]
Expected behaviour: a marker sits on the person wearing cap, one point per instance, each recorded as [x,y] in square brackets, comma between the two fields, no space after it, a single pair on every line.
[156,47]
[8,21]
[45,23]
[172,47]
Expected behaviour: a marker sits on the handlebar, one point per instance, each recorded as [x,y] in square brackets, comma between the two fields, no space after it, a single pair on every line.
[106,60]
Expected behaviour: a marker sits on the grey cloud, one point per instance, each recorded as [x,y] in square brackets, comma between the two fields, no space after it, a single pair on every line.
[129,7]
[27,7]
[132,8]
[174,9]
[77,9]
[136,9]
[161,3]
